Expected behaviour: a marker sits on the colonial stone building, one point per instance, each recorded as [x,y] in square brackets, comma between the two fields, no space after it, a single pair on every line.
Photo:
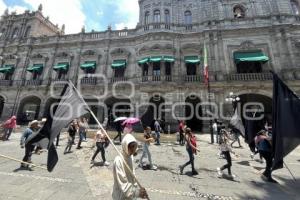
[156,67]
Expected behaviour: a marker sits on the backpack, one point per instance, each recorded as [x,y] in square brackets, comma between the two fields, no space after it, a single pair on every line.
[193,141]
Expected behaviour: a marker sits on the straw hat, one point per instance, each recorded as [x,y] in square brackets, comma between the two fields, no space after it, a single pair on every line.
[30,124]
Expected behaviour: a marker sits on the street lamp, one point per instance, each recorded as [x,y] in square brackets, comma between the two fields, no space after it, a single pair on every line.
[234,99]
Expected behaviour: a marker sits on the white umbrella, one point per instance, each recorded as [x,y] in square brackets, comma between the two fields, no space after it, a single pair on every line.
[120,119]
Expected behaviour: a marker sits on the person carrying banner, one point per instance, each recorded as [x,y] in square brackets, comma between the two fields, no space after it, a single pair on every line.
[125,185]
[32,126]
[264,146]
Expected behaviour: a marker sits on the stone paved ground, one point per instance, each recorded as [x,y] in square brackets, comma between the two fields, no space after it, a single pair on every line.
[74,178]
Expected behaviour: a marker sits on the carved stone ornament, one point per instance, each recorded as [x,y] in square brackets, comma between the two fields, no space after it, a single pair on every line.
[10,57]
[62,55]
[119,52]
[247,45]
[37,56]
[89,53]
[191,48]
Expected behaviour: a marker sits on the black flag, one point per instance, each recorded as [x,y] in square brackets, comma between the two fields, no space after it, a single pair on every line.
[286,126]
[71,106]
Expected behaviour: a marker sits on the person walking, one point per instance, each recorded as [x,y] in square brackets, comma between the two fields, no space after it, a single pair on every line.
[32,126]
[72,130]
[157,130]
[146,153]
[263,143]
[181,132]
[8,127]
[82,129]
[190,139]
[226,150]
[101,143]
[125,186]
[119,129]
[236,135]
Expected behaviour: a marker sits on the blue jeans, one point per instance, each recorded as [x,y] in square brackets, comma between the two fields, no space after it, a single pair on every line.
[157,137]
[146,153]
[191,161]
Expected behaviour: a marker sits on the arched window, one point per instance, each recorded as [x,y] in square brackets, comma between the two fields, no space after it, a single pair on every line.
[238,12]
[15,33]
[147,15]
[27,32]
[167,17]
[188,17]
[295,7]
[156,16]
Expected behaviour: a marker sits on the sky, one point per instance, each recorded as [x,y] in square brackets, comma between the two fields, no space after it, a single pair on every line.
[93,14]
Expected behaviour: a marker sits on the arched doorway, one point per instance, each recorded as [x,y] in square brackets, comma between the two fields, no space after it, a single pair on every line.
[29,109]
[117,107]
[2,101]
[193,111]
[154,111]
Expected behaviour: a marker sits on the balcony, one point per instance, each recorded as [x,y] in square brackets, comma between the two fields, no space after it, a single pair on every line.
[88,81]
[250,77]
[5,83]
[156,78]
[193,78]
[33,82]
[118,79]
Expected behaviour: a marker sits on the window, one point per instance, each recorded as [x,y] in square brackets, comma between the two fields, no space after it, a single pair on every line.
[27,32]
[167,17]
[119,72]
[15,33]
[145,69]
[156,69]
[156,16]
[295,7]
[188,17]
[61,75]
[168,68]
[238,12]
[147,15]
[191,69]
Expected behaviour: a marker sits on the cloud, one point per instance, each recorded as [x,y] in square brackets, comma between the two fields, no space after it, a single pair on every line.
[129,10]
[2,7]
[16,8]
[68,12]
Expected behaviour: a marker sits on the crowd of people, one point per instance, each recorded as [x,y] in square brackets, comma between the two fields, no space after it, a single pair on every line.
[125,186]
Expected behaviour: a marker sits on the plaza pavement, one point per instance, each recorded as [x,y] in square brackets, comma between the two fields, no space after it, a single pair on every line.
[74,178]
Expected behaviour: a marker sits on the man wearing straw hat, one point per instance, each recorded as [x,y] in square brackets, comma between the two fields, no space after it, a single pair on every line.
[32,126]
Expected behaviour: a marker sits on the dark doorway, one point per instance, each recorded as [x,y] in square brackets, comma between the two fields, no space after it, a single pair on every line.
[29,109]
[249,67]
[191,109]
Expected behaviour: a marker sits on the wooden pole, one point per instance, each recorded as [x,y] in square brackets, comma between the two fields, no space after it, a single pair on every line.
[20,161]
[110,140]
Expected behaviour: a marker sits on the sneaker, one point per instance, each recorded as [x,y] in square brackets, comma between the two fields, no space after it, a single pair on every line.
[252,156]
[181,169]
[194,172]
[106,163]
[231,176]
[153,167]
[219,171]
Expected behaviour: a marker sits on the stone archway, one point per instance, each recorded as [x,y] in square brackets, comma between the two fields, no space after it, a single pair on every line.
[194,111]
[154,111]
[117,107]
[29,109]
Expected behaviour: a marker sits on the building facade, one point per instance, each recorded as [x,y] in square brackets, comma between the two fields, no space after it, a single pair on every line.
[156,69]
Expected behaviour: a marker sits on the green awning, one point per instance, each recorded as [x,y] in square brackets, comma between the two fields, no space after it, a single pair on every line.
[61,66]
[143,61]
[35,68]
[156,59]
[118,64]
[257,56]
[88,65]
[169,59]
[7,69]
[192,59]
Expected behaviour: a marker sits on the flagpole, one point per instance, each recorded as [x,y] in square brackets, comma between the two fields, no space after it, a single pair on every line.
[110,140]
[290,172]
[206,79]
[21,161]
